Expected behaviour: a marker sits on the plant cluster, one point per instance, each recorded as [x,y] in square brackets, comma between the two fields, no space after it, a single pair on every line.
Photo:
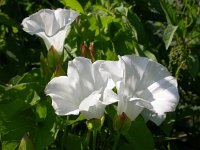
[98,88]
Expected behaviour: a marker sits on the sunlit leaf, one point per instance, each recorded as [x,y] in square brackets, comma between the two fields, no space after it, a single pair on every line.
[80,118]
[169,34]
[74,4]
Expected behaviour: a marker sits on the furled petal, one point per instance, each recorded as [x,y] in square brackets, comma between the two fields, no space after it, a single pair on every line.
[51,25]
[57,41]
[91,107]
[49,21]
[64,99]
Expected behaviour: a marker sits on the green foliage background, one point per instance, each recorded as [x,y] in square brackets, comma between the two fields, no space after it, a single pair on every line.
[166,31]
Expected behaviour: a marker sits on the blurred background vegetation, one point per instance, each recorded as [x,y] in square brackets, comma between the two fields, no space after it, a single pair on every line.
[166,31]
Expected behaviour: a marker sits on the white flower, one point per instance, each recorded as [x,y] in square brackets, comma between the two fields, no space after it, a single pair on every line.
[51,25]
[140,84]
[81,91]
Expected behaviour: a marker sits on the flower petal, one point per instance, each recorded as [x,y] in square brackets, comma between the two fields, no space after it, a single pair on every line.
[165,95]
[57,41]
[80,69]
[109,97]
[113,69]
[100,79]
[132,107]
[33,23]
[164,98]
[133,71]
[65,17]
[65,99]
[149,115]
[91,107]
[153,73]
[51,25]
[141,72]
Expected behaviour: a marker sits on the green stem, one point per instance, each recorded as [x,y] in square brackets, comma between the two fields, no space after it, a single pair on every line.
[63,138]
[87,139]
[94,139]
[116,141]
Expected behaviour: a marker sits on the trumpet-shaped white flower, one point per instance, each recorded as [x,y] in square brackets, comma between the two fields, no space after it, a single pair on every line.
[140,84]
[81,91]
[51,25]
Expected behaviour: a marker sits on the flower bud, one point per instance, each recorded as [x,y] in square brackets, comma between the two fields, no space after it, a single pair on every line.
[91,51]
[84,49]
[95,124]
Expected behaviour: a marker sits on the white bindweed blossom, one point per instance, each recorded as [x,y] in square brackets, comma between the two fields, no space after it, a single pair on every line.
[143,87]
[51,25]
[82,90]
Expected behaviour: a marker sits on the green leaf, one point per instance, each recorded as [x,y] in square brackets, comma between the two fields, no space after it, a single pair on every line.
[16,115]
[110,55]
[136,22]
[169,34]
[18,98]
[142,51]
[74,4]
[80,118]
[41,111]
[45,131]
[29,77]
[7,145]
[12,129]
[169,11]
[139,136]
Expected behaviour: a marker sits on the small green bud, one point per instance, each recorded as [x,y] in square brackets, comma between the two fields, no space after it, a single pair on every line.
[95,124]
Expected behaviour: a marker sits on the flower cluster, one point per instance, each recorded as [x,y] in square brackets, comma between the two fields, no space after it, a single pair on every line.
[142,86]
